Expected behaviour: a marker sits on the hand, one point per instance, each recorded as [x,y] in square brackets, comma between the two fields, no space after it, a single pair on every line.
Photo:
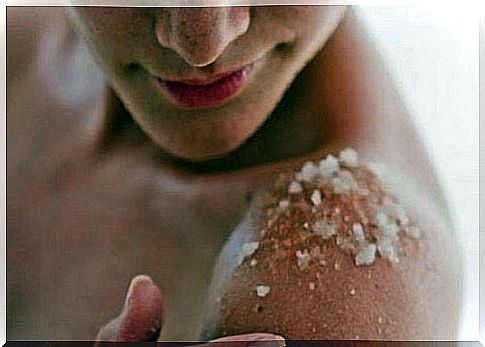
[142,317]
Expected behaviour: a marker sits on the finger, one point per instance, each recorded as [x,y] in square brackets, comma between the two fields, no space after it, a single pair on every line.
[248,340]
[141,318]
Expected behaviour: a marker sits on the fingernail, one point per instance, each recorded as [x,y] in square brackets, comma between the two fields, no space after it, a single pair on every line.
[138,284]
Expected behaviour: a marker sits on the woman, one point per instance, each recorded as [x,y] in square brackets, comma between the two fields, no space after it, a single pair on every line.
[151,170]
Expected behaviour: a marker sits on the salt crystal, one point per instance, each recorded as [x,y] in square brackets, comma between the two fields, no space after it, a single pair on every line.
[328,167]
[295,188]
[380,320]
[316,197]
[382,220]
[323,228]
[352,292]
[284,203]
[358,231]
[253,262]
[366,255]
[336,266]
[262,291]
[386,248]
[347,180]
[307,172]
[247,250]
[311,286]
[340,186]
[349,157]
[391,230]
[302,259]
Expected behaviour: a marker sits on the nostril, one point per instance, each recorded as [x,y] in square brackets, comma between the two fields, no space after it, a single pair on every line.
[201,35]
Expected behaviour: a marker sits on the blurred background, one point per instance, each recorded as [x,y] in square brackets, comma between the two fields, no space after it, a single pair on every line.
[433,54]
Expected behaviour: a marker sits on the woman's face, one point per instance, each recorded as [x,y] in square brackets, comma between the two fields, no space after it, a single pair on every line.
[201,81]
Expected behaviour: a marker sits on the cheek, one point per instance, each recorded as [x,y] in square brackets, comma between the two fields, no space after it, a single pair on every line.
[304,19]
[113,34]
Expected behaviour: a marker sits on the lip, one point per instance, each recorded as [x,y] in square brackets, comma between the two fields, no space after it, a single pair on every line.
[211,91]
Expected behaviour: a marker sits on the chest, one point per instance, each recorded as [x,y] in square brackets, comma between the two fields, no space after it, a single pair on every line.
[79,229]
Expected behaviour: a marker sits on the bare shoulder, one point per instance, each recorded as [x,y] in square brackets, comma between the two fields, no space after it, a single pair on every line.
[329,252]
[26,26]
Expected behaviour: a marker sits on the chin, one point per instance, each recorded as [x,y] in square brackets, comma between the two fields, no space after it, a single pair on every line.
[205,149]
[208,137]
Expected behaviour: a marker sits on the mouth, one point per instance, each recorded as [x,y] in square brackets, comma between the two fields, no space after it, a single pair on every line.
[213,91]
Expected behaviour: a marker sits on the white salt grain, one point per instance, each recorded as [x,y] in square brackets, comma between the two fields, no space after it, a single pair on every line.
[253,262]
[386,248]
[358,231]
[366,255]
[328,167]
[248,250]
[382,220]
[308,172]
[302,259]
[390,230]
[262,291]
[284,203]
[316,197]
[352,292]
[349,157]
[311,286]
[323,228]
[295,188]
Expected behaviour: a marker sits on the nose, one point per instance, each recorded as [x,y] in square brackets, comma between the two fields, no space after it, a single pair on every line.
[200,35]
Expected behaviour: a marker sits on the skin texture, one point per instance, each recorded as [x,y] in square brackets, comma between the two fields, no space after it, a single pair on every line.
[278,40]
[330,297]
[95,194]
[142,316]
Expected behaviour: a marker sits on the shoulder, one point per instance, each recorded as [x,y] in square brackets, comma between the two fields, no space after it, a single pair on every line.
[336,257]
[26,27]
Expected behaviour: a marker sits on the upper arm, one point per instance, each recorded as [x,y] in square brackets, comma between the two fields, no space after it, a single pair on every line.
[328,283]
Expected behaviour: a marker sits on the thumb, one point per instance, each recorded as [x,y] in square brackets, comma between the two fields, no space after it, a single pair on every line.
[141,317]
